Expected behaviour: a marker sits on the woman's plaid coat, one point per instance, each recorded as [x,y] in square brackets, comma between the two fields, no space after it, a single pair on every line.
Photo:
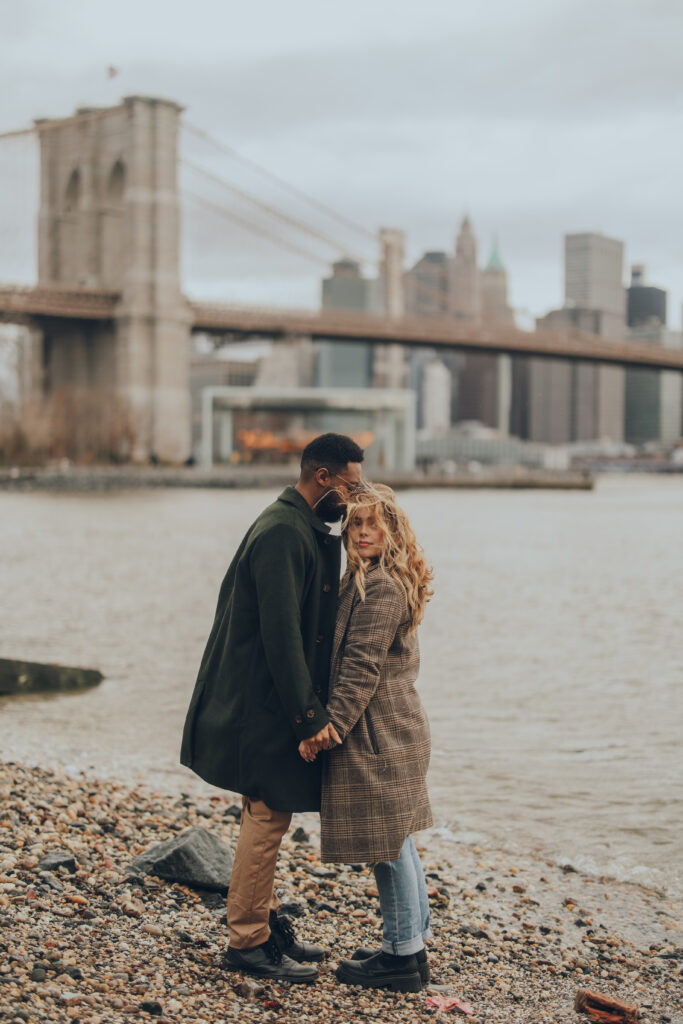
[374,792]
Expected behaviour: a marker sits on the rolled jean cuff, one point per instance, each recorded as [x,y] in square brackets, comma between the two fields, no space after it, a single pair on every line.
[404,948]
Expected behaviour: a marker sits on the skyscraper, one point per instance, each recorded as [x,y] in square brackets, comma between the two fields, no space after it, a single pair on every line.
[578,401]
[464,290]
[436,398]
[340,364]
[427,285]
[593,274]
[652,405]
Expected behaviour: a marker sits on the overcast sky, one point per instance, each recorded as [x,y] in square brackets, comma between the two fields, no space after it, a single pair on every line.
[537,118]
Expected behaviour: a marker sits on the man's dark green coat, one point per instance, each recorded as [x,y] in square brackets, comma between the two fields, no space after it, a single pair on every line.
[262,684]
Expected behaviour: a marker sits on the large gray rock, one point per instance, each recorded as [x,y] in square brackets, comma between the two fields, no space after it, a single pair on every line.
[196,858]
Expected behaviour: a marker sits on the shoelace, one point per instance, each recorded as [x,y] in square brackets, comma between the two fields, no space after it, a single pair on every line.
[273,951]
[286,930]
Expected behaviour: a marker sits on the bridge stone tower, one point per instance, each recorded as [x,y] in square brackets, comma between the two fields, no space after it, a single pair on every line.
[109,218]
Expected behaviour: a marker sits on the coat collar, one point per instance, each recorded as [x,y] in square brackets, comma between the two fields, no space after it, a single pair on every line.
[291,496]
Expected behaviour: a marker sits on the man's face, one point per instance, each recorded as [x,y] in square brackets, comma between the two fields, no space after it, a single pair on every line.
[339,488]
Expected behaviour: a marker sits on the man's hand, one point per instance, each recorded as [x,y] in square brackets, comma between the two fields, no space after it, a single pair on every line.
[323,740]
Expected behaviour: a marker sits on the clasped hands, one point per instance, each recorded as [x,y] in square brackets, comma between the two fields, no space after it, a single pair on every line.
[327,738]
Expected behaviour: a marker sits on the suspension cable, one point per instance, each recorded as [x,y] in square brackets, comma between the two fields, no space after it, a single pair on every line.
[272,211]
[254,228]
[292,189]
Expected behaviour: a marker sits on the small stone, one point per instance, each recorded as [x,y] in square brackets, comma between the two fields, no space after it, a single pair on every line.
[300,835]
[249,990]
[151,1006]
[152,929]
[319,871]
[57,859]
[38,974]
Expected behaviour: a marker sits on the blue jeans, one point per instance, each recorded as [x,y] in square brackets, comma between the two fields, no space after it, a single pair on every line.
[403,901]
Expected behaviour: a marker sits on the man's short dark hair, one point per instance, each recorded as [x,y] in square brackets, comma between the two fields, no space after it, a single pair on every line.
[333,451]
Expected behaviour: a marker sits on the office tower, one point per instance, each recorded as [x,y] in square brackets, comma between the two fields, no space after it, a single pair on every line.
[436,398]
[652,405]
[483,381]
[345,364]
[464,297]
[593,274]
[427,285]
[580,401]
[495,310]
[645,304]
[390,365]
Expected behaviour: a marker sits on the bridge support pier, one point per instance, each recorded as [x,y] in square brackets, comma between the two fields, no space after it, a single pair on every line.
[109,219]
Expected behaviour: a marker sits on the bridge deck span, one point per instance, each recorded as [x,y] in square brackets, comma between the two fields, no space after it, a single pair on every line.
[26,304]
[575,345]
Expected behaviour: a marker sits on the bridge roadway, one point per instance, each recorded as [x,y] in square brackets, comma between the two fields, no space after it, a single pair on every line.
[31,304]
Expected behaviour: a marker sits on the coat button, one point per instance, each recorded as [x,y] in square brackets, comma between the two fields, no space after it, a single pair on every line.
[310,713]
[298,719]
[316,689]
[326,588]
[327,540]
[319,639]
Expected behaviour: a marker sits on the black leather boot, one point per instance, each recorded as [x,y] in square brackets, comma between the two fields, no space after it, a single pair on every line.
[268,961]
[364,953]
[282,931]
[382,970]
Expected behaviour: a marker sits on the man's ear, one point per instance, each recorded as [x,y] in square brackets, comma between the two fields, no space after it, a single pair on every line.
[322,477]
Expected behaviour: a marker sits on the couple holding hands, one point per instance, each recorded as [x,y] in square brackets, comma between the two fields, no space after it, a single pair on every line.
[305,701]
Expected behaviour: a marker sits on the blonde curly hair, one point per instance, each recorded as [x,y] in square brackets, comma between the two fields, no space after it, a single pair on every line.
[401,555]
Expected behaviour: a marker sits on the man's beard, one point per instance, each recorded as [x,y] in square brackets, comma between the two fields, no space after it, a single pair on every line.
[330,509]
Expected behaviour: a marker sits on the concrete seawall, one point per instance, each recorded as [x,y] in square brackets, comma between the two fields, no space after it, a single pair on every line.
[79,479]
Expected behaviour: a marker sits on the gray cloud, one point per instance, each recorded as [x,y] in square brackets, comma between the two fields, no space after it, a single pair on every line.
[536,118]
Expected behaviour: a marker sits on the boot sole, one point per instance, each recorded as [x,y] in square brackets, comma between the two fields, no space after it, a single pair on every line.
[394,982]
[266,976]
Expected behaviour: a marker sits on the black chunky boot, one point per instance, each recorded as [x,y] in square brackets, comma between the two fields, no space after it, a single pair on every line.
[382,970]
[421,956]
[267,961]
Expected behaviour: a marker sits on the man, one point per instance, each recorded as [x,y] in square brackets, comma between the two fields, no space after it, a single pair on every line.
[262,688]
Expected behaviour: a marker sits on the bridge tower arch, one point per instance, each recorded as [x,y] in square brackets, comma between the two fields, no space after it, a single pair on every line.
[110,218]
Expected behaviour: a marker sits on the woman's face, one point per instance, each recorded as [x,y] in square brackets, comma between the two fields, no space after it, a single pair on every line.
[365,534]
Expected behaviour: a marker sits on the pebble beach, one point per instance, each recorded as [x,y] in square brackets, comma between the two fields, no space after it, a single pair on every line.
[89,942]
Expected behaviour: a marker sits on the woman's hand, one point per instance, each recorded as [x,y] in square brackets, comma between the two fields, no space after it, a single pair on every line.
[327,738]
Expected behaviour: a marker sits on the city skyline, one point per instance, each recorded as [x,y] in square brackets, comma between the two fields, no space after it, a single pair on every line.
[536,123]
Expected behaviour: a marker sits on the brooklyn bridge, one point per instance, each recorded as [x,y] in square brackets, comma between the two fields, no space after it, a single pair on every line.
[108,312]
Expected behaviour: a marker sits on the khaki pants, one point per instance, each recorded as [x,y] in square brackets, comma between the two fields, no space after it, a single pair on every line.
[252,894]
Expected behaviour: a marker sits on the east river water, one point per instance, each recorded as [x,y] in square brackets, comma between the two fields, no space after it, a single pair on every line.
[552,653]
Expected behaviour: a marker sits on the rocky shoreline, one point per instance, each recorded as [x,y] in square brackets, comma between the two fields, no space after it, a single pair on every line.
[90,942]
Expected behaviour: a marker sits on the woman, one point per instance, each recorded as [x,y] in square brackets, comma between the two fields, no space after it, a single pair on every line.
[374,794]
